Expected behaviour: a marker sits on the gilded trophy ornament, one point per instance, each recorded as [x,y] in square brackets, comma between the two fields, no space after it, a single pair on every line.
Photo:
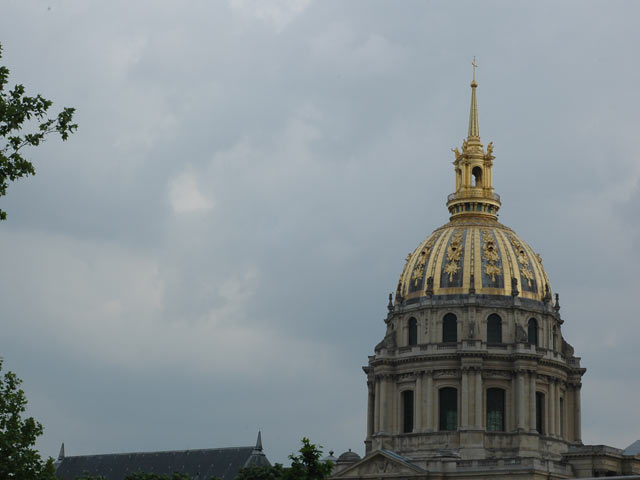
[490,254]
[454,252]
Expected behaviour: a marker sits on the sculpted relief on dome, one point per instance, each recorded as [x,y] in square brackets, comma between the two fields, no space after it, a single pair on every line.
[465,257]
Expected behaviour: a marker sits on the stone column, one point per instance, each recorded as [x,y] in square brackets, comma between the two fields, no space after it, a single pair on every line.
[513,410]
[376,417]
[532,401]
[520,378]
[552,407]
[417,427]
[464,396]
[430,402]
[558,414]
[577,420]
[478,418]
[370,409]
[383,404]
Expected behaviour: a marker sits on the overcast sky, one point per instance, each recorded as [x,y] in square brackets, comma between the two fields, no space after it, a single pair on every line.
[211,253]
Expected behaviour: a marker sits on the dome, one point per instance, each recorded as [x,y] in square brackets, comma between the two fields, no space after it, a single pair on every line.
[348,457]
[473,255]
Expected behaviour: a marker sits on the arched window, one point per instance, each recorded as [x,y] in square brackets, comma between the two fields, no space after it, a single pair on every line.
[448,408]
[495,410]
[413,331]
[540,412]
[555,338]
[533,331]
[494,329]
[407,411]
[450,328]
[477,176]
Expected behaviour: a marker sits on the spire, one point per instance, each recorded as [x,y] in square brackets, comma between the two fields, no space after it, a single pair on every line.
[474,195]
[474,129]
[259,441]
[61,454]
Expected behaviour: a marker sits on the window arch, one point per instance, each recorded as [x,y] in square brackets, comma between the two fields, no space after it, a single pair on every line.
[407,411]
[532,332]
[477,176]
[495,410]
[494,329]
[413,331]
[448,408]
[540,412]
[450,328]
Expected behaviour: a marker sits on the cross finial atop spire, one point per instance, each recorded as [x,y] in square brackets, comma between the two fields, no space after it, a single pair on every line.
[475,65]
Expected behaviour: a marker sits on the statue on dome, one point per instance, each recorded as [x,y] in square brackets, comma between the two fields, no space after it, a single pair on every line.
[490,149]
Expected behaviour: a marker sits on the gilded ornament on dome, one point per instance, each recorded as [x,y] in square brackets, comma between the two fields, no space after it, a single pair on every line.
[417,276]
[418,270]
[490,254]
[454,252]
[523,259]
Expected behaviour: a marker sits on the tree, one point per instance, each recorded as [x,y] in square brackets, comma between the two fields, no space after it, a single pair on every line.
[19,459]
[24,122]
[305,466]
[274,472]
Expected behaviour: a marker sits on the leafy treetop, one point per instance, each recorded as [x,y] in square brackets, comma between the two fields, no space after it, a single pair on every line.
[24,122]
[19,459]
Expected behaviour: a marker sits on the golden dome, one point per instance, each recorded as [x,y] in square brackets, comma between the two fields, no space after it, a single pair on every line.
[473,253]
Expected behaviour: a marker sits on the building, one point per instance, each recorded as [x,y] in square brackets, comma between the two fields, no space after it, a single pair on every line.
[202,464]
[474,378]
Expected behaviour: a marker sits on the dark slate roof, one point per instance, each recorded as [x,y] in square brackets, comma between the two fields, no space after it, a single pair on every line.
[632,449]
[198,464]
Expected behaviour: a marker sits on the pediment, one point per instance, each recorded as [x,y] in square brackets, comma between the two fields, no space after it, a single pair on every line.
[382,464]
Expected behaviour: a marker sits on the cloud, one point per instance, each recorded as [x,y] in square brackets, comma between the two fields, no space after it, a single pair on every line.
[276,13]
[343,49]
[185,196]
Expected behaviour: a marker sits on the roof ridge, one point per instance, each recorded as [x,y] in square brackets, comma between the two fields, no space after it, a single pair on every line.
[161,451]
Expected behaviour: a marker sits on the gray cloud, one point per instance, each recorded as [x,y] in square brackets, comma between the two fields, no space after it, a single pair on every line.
[211,253]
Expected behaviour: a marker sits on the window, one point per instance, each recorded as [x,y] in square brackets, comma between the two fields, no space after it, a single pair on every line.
[540,412]
[450,328]
[555,338]
[494,329]
[533,332]
[413,331]
[495,410]
[477,176]
[407,411]
[448,408]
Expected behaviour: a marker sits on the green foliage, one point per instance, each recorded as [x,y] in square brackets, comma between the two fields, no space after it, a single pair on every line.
[155,476]
[305,466]
[143,476]
[275,472]
[24,122]
[19,460]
